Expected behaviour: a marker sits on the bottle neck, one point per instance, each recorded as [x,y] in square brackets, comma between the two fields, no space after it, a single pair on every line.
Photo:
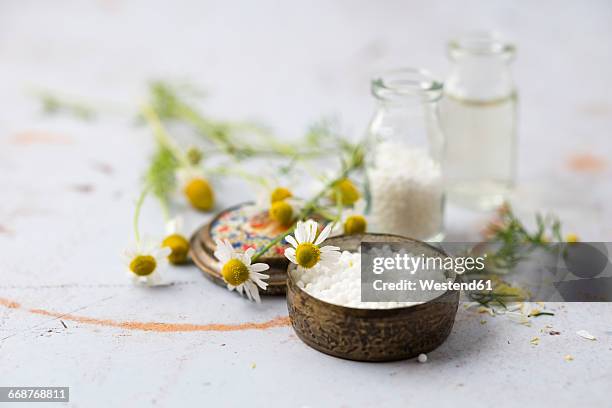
[406,101]
[480,68]
[480,78]
[411,122]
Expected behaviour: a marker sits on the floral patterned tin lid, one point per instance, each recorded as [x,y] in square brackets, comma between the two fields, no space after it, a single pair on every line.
[244,226]
[247,226]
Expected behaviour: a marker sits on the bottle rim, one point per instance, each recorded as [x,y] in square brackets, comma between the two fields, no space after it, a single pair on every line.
[481,43]
[403,83]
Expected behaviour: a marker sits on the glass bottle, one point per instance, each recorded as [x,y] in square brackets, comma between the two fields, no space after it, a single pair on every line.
[478,118]
[406,192]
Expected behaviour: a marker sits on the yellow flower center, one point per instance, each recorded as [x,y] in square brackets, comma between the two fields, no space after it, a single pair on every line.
[235,272]
[279,194]
[307,255]
[143,265]
[179,246]
[200,194]
[348,192]
[355,224]
[281,212]
[572,238]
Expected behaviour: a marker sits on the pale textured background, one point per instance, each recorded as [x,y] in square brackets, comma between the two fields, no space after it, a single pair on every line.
[67,190]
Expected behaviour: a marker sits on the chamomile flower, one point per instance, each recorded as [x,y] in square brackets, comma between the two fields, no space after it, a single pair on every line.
[278,202]
[271,191]
[346,190]
[145,261]
[285,211]
[352,221]
[196,188]
[307,251]
[280,193]
[238,272]
[176,241]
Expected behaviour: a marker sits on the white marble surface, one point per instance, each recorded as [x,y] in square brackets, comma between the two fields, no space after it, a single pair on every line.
[67,190]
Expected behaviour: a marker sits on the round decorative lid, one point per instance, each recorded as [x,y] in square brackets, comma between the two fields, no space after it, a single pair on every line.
[244,226]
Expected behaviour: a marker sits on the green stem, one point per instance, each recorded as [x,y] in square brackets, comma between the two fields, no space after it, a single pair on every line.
[307,210]
[204,126]
[275,241]
[162,136]
[165,210]
[228,171]
[139,203]
[208,129]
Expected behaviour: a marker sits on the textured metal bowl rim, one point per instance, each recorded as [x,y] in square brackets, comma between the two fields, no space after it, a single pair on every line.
[363,312]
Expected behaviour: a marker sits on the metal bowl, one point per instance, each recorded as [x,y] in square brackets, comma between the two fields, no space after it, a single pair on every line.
[371,334]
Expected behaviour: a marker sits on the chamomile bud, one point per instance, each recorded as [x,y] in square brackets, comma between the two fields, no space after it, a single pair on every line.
[572,238]
[196,189]
[347,191]
[279,194]
[352,220]
[355,224]
[176,241]
[281,212]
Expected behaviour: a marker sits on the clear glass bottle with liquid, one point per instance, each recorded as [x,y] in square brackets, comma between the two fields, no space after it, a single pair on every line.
[478,117]
[405,142]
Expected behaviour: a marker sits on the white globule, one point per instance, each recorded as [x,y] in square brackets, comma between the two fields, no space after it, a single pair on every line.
[342,285]
[406,188]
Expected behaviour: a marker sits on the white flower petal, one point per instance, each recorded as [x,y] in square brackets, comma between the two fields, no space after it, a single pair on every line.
[300,232]
[185,174]
[249,253]
[586,335]
[291,241]
[259,281]
[252,289]
[329,248]
[244,258]
[517,317]
[223,253]
[324,234]
[128,256]
[359,207]
[337,229]
[290,254]
[174,226]
[329,258]
[155,279]
[161,253]
[311,229]
[244,287]
[259,267]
